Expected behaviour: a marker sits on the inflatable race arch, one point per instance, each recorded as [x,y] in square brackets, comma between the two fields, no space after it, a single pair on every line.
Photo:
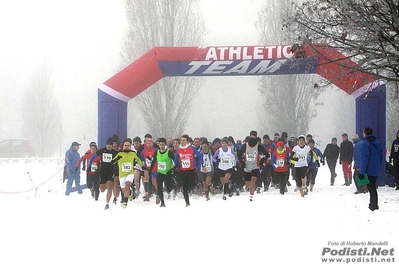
[159,62]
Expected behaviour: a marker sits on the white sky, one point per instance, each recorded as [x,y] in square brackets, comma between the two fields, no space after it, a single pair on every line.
[82,40]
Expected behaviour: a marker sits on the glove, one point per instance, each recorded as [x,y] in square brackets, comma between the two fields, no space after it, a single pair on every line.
[84,168]
[295,159]
[340,162]
[317,163]
[76,169]
[361,176]
[323,163]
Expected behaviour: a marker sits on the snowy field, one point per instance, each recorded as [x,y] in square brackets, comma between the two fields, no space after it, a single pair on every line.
[44,227]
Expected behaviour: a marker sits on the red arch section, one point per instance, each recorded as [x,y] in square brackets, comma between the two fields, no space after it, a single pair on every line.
[160,62]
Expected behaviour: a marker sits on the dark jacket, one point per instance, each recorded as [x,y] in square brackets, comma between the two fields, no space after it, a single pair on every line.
[346,151]
[395,149]
[372,157]
[331,152]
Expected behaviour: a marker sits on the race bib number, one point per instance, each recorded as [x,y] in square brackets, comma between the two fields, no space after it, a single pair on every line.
[148,162]
[162,166]
[93,167]
[280,162]
[107,157]
[225,161]
[126,167]
[301,157]
[185,164]
[396,148]
[251,157]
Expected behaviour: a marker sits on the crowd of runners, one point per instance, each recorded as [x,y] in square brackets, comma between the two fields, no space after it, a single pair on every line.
[136,169]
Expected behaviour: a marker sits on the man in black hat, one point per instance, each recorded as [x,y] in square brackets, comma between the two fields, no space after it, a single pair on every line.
[346,158]
[71,159]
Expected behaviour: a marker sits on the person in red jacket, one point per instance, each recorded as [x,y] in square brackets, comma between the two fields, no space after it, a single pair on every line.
[92,172]
[281,161]
[186,160]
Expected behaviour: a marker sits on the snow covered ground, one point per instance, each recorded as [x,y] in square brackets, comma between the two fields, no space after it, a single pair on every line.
[44,227]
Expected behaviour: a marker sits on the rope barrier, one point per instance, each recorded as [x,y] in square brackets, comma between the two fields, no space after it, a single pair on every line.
[34,188]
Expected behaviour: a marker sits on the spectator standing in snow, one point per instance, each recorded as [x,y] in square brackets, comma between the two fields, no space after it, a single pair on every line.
[331,153]
[345,158]
[71,159]
[371,160]
[394,157]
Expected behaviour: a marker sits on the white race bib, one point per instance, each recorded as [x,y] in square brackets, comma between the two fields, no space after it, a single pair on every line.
[185,163]
[107,157]
[225,161]
[162,166]
[280,162]
[301,157]
[251,157]
[93,167]
[126,167]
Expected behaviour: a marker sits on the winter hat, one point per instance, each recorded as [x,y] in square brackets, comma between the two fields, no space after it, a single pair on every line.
[266,136]
[109,141]
[292,136]
[93,144]
[253,133]
[230,138]
[301,137]
[280,144]
[216,140]
[334,138]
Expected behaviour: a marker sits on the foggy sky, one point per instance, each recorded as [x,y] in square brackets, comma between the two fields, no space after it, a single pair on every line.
[82,40]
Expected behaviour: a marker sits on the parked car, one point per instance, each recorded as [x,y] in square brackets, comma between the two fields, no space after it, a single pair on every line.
[16,148]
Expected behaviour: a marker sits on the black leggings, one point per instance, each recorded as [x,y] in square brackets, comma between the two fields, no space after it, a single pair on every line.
[161,178]
[187,178]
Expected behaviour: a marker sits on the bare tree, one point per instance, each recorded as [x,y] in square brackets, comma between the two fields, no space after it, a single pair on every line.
[289,102]
[392,114]
[166,105]
[42,113]
[365,31]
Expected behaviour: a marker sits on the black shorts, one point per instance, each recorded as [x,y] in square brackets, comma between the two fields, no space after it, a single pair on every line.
[222,173]
[248,176]
[300,172]
[106,176]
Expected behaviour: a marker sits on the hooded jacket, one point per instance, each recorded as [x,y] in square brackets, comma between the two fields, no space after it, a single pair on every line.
[371,158]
